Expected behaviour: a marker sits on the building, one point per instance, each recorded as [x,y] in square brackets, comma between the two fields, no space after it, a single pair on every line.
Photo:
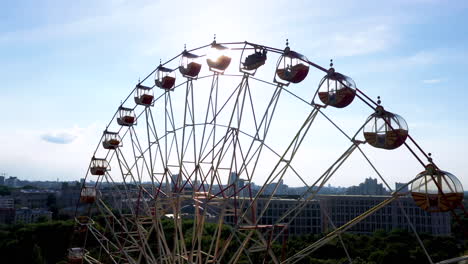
[32,198]
[12,182]
[326,212]
[26,216]
[68,197]
[403,186]
[7,210]
[339,209]
[7,202]
[2,180]
[236,185]
[305,221]
[368,187]
[281,188]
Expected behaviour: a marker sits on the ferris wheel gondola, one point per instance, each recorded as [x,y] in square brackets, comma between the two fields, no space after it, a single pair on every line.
[99,166]
[165,78]
[111,140]
[291,67]
[250,62]
[76,255]
[143,95]
[435,190]
[126,116]
[385,130]
[88,195]
[336,89]
[218,58]
[189,65]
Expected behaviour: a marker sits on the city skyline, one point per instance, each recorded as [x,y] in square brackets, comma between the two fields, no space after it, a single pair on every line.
[75,82]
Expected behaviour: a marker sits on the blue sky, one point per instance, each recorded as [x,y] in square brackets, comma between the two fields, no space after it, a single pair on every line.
[65,67]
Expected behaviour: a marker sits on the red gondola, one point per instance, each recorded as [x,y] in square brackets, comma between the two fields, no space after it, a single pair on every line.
[189,66]
[111,140]
[336,89]
[385,130]
[165,78]
[99,166]
[88,195]
[435,190]
[143,95]
[76,255]
[291,67]
[218,59]
[126,117]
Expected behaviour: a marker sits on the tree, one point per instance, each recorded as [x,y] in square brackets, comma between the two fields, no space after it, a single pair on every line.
[4,190]
[37,255]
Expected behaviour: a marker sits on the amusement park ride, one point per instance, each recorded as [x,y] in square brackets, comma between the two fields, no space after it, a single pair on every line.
[182,155]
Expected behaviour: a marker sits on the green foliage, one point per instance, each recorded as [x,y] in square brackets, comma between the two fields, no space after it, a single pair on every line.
[397,246]
[4,190]
[48,243]
[36,243]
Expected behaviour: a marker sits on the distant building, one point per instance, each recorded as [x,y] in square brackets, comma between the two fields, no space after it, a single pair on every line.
[12,182]
[7,202]
[399,185]
[237,185]
[32,198]
[308,219]
[2,180]
[339,209]
[326,212]
[368,187]
[68,196]
[281,188]
[7,210]
[27,216]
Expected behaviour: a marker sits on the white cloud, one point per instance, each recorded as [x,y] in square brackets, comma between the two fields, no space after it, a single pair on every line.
[351,42]
[28,155]
[59,137]
[432,81]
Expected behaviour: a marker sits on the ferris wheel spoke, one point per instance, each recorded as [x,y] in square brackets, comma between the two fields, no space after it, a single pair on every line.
[107,245]
[384,181]
[189,122]
[279,170]
[159,155]
[117,227]
[332,235]
[210,115]
[290,215]
[264,124]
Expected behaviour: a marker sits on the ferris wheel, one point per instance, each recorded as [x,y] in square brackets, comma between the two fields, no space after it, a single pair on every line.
[187,167]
